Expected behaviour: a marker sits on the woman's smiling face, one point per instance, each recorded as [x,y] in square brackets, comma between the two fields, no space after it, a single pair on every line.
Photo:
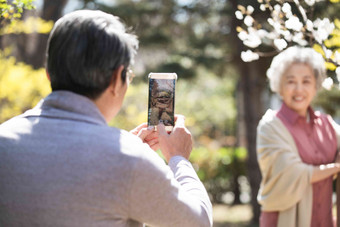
[298,87]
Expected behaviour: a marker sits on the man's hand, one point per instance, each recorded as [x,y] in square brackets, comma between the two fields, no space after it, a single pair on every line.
[178,142]
[148,136]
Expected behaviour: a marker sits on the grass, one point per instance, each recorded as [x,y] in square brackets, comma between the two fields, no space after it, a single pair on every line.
[232,216]
[236,215]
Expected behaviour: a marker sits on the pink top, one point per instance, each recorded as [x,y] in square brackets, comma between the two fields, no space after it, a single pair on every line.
[316,143]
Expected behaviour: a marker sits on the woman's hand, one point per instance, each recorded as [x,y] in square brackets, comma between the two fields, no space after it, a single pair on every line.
[323,171]
[147,135]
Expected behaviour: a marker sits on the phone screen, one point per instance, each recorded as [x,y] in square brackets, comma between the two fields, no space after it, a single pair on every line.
[162,99]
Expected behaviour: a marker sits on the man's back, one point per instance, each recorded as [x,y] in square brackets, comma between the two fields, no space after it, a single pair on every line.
[61,165]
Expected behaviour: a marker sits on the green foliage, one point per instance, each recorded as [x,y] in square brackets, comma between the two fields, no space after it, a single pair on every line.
[134,109]
[21,87]
[10,15]
[30,25]
[217,168]
[195,30]
[209,106]
[176,65]
[329,101]
[13,9]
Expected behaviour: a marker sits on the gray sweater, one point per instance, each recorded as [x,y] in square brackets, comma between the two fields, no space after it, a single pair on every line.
[62,165]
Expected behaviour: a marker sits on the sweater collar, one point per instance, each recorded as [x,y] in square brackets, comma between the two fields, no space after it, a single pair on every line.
[68,105]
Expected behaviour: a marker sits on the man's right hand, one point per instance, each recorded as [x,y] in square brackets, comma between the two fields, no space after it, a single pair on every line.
[178,142]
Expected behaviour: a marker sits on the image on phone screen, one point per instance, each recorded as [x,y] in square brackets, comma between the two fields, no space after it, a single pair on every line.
[161,102]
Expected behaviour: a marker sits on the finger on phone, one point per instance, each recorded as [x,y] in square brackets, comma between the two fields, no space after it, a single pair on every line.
[180,121]
[152,136]
[161,129]
[144,133]
[136,130]
[141,126]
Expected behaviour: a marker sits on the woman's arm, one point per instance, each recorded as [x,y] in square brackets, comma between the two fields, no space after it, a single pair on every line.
[324,171]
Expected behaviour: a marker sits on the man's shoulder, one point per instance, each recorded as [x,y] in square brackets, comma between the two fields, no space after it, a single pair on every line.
[10,125]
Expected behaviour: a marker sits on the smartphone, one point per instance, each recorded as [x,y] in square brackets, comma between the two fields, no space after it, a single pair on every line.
[161,102]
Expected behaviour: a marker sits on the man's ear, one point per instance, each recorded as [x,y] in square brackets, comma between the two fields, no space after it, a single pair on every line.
[116,80]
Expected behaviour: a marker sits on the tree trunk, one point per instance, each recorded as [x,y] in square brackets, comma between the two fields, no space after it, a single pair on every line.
[338,200]
[52,10]
[252,83]
[235,185]
[31,48]
[252,87]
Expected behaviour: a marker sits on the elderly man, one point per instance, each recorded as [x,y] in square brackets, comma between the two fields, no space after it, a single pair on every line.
[62,165]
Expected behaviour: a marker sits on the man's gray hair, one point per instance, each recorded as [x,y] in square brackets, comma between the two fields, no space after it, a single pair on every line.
[85,47]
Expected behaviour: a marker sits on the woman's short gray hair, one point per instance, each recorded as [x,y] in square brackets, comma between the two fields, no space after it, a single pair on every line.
[291,55]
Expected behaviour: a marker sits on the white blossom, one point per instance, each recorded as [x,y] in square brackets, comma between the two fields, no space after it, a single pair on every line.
[272,35]
[262,33]
[242,35]
[287,35]
[328,53]
[263,7]
[248,20]
[271,21]
[276,12]
[286,28]
[309,25]
[327,83]
[299,39]
[276,25]
[277,8]
[337,71]
[325,28]
[310,2]
[302,42]
[287,9]
[268,37]
[248,56]
[337,56]
[252,41]
[294,23]
[250,9]
[280,44]
[239,15]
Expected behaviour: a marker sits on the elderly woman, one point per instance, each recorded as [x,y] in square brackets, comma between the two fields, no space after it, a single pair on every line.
[297,146]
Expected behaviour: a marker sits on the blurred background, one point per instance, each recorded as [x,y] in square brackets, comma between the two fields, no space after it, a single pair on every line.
[222,96]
